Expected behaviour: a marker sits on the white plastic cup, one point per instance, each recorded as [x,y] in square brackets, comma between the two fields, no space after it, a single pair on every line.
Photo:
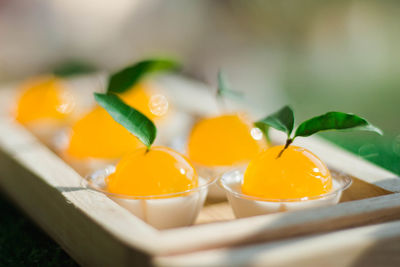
[246,206]
[160,211]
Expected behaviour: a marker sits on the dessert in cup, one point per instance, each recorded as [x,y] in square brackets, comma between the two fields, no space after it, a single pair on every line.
[219,143]
[157,184]
[44,106]
[82,148]
[289,177]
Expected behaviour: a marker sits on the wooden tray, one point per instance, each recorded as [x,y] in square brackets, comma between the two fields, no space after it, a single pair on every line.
[96,231]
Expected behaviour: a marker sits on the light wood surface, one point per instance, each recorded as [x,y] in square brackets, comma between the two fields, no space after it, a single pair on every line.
[96,231]
[368,246]
[215,212]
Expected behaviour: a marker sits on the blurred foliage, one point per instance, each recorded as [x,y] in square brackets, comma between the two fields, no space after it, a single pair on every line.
[72,68]
[381,150]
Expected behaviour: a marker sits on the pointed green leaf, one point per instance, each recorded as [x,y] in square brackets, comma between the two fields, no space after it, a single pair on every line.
[123,80]
[334,121]
[264,129]
[225,90]
[133,120]
[282,120]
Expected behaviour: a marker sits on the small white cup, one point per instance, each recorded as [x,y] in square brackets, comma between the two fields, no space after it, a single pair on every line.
[215,192]
[160,211]
[246,206]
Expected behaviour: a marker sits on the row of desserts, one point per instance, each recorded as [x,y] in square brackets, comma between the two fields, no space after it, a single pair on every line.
[162,186]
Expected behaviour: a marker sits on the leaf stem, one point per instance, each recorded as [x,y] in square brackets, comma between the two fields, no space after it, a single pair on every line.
[288,142]
[220,102]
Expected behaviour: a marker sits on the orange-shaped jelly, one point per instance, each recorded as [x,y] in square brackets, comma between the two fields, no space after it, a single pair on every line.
[224,140]
[140,98]
[44,99]
[158,171]
[98,135]
[298,173]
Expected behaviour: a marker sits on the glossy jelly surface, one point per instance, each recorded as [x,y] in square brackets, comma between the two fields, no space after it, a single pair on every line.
[224,140]
[158,171]
[98,135]
[298,173]
[44,99]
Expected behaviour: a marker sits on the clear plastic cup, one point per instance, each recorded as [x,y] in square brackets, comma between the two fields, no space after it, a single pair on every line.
[215,192]
[246,206]
[161,211]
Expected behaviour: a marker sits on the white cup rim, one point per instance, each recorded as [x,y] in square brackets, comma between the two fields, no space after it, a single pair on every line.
[92,183]
[342,179]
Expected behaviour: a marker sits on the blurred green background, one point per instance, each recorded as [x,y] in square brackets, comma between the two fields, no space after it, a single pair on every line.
[315,55]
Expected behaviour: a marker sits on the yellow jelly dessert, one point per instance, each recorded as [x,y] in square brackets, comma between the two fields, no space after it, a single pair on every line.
[297,173]
[97,135]
[158,171]
[44,99]
[140,97]
[224,140]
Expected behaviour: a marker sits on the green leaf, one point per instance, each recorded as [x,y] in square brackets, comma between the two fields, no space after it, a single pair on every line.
[133,120]
[282,120]
[123,80]
[264,129]
[72,68]
[225,90]
[334,121]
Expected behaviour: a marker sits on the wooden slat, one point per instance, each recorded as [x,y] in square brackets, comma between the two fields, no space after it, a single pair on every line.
[376,245]
[283,225]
